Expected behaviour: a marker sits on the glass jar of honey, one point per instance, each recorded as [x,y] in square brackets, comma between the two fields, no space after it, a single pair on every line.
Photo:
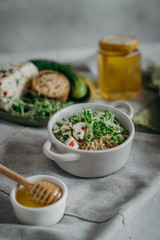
[119,65]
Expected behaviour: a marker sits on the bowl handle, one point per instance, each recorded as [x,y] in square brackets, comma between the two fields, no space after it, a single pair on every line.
[58,157]
[124,106]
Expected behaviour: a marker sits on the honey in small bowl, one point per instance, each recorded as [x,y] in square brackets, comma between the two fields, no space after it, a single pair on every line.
[24,198]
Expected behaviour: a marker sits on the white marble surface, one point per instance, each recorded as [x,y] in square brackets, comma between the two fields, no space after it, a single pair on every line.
[149,51]
[51,24]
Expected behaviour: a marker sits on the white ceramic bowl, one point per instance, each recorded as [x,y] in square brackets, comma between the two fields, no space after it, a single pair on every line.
[90,164]
[43,216]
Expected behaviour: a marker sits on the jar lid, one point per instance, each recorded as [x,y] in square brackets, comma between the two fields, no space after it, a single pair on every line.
[119,43]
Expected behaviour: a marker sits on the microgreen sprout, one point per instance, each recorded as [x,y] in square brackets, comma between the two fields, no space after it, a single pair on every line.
[35,107]
[89,128]
[99,125]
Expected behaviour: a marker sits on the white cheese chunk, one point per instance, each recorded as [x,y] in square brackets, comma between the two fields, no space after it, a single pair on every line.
[68,133]
[56,129]
[71,142]
[65,127]
[78,130]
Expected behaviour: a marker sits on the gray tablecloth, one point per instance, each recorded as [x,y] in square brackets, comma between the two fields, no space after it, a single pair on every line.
[124,205]
[118,197]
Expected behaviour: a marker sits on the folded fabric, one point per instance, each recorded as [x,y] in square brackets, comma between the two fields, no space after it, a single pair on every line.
[94,200]
[151,76]
[149,116]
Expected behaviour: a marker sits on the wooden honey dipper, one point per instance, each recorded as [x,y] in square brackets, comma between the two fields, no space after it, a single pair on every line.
[42,192]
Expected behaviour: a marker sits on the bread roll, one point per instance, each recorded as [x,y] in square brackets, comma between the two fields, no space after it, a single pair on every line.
[52,84]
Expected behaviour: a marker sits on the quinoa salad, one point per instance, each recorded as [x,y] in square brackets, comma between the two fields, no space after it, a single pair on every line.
[90,130]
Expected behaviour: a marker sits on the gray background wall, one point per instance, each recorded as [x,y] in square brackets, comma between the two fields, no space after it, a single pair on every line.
[27,25]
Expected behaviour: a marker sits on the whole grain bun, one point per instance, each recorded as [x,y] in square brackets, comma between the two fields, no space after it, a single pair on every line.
[52,84]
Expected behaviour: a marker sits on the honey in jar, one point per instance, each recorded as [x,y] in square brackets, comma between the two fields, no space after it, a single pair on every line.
[119,65]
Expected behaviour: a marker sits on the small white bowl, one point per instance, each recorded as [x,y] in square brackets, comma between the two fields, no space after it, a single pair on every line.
[90,164]
[43,216]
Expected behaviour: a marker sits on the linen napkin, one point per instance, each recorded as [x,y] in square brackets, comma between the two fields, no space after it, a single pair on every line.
[149,116]
[95,200]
